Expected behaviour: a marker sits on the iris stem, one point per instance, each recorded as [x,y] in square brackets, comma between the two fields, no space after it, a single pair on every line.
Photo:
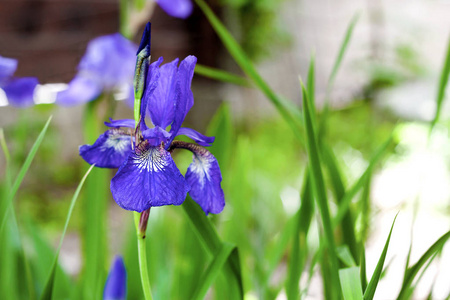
[140,221]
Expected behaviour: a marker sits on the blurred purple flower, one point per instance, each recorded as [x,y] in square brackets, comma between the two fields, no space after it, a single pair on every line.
[147,174]
[107,65]
[116,283]
[19,91]
[176,8]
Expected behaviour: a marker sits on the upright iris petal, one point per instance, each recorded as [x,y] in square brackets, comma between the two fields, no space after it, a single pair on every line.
[116,283]
[107,65]
[177,8]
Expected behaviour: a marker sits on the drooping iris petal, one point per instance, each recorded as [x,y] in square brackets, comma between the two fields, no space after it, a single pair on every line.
[110,150]
[80,90]
[199,138]
[176,8]
[7,67]
[204,177]
[120,123]
[185,99]
[161,104]
[20,91]
[149,177]
[116,283]
[109,60]
[156,135]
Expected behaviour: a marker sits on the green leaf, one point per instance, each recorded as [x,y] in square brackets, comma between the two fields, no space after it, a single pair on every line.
[48,290]
[342,50]
[221,75]
[372,286]
[445,73]
[4,205]
[362,265]
[412,272]
[221,126]
[212,243]
[344,254]
[213,270]
[321,194]
[245,64]
[351,286]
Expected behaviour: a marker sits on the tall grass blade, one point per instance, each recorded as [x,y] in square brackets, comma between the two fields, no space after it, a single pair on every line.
[342,50]
[321,194]
[213,270]
[221,75]
[47,294]
[351,286]
[344,254]
[362,266]
[372,286]
[245,64]
[412,272]
[212,243]
[4,205]
[445,73]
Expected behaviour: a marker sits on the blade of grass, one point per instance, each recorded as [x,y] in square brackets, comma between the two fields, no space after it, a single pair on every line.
[245,64]
[211,242]
[48,290]
[351,286]
[362,265]
[344,254]
[221,75]
[213,270]
[320,193]
[412,272]
[445,73]
[372,286]
[23,171]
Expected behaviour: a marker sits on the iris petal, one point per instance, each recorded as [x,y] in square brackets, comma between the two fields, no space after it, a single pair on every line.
[20,91]
[185,98]
[110,150]
[176,8]
[120,123]
[199,138]
[161,103]
[149,177]
[116,283]
[204,177]
[152,78]
[7,67]
[80,90]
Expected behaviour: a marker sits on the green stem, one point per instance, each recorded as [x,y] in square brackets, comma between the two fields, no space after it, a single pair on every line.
[142,253]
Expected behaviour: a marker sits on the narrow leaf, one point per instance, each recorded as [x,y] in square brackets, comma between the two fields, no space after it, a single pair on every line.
[221,75]
[344,254]
[370,290]
[351,286]
[445,73]
[48,290]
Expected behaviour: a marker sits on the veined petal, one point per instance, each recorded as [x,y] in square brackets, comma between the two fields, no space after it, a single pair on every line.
[7,67]
[156,135]
[149,177]
[110,150]
[161,103]
[176,8]
[152,78]
[199,138]
[80,90]
[185,98]
[204,177]
[120,123]
[116,283]
[20,91]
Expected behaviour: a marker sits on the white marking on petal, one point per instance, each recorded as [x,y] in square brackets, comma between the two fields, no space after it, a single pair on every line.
[118,142]
[153,159]
[201,166]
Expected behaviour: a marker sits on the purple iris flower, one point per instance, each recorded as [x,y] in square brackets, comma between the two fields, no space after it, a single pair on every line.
[19,91]
[177,8]
[107,65]
[147,174]
[116,283]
